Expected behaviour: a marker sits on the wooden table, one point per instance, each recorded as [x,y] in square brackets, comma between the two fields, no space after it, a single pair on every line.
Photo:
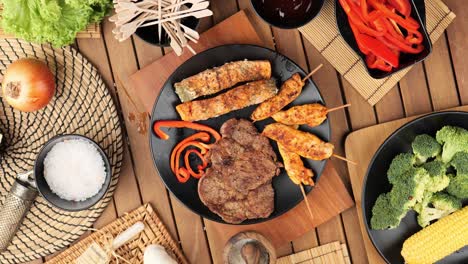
[438,83]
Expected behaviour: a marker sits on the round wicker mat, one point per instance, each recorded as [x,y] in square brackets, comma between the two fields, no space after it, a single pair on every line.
[82,105]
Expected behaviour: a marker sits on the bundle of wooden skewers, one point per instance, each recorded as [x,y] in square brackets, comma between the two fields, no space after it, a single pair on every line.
[166,14]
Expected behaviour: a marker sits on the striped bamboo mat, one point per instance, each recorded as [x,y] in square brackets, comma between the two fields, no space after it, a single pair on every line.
[332,253]
[323,33]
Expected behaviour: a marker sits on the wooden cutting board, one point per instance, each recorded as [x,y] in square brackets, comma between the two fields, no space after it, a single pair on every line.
[328,199]
[361,146]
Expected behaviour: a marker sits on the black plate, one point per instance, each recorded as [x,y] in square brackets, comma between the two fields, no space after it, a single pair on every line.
[418,12]
[287,194]
[390,242]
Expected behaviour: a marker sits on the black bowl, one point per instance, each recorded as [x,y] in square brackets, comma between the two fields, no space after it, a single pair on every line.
[287,194]
[53,198]
[151,36]
[290,22]
[389,242]
[418,12]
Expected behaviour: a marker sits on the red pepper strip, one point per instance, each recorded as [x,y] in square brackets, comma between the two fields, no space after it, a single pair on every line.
[374,14]
[391,29]
[414,37]
[402,46]
[402,6]
[387,43]
[364,9]
[203,148]
[203,136]
[407,23]
[379,50]
[187,163]
[182,175]
[379,24]
[377,63]
[181,124]
[353,17]
[358,40]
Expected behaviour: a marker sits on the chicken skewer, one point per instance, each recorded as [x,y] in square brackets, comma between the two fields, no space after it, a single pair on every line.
[303,143]
[288,92]
[309,114]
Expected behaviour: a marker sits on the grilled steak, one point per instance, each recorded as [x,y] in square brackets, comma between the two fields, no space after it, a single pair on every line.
[237,186]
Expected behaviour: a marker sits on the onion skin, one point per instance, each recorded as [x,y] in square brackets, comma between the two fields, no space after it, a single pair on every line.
[28,85]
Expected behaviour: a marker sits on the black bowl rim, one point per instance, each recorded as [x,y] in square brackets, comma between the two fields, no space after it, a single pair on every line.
[289,27]
[152,133]
[107,181]
[363,211]
[425,33]
[158,44]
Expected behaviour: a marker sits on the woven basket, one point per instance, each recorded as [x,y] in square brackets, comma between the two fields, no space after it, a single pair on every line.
[154,233]
[81,105]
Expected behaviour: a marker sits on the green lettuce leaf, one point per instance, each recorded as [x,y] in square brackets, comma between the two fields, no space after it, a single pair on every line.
[53,21]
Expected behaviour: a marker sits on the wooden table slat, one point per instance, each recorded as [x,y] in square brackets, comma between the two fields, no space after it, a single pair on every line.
[440,82]
[440,77]
[457,33]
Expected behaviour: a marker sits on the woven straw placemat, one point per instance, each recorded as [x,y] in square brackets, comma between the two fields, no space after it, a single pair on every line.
[81,105]
[93,30]
[323,33]
[331,253]
[154,233]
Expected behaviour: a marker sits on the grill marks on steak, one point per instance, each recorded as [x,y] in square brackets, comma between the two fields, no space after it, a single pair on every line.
[237,186]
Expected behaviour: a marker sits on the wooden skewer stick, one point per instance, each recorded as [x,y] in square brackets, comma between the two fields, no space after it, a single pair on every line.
[312,72]
[307,202]
[345,159]
[338,108]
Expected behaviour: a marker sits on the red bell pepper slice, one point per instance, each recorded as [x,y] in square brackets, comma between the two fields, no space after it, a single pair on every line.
[402,6]
[358,40]
[408,22]
[414,37]
[380,50]
[181,124]
[403,46]
[354,18]
[377,63]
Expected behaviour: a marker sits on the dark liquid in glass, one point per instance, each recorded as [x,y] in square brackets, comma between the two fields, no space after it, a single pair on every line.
[287,13]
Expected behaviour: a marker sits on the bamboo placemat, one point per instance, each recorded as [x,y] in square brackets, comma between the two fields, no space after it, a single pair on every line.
[332,253]
[323,33]
[81,105]
[93,30]
[154,233]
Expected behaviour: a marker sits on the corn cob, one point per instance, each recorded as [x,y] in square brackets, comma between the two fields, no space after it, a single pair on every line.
[438,240]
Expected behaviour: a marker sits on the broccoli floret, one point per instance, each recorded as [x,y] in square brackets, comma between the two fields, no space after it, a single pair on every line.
[384,215]
[437,178]
[460,162]
[409,189]
[400,164]
[442,205]
[429,214]
[444,201]
[425,147]
[458,186]
[454,139]
[424,203]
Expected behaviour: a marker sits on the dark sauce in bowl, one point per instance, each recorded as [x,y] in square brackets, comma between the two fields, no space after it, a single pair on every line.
[287,13]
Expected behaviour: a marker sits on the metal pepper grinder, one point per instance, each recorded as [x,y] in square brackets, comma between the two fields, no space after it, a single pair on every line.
[15,206]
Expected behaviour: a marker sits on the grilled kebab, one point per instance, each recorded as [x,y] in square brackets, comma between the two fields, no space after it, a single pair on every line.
[289,91]
[234,99]
[217,79]
[305,144]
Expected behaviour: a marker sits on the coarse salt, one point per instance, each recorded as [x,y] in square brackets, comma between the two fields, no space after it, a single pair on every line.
[74,170]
